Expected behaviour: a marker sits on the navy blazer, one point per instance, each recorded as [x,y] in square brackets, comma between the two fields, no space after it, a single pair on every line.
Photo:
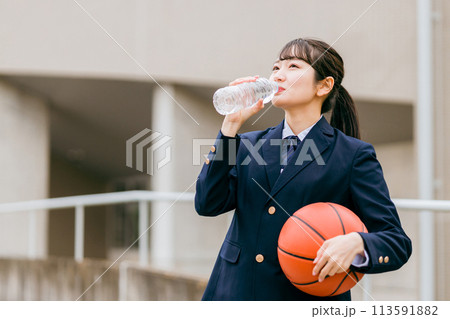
[336,168]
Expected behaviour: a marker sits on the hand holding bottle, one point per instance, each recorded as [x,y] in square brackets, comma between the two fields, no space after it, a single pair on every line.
[233,122]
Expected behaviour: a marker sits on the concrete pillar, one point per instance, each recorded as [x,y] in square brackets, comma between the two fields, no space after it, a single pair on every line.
[181,240]
[24,164]
[162,233]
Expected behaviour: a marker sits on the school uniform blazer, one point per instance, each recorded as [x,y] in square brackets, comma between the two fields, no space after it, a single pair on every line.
[339,169]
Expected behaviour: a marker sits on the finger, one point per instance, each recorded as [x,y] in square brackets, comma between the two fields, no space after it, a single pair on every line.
[247,79]
[322,261]
[244,79]
[333,271]
[326,271]
[342,268]
[320,251]
[238,80]
[338,271]
[258,106]
[338,268]
[318,256]
[319,261]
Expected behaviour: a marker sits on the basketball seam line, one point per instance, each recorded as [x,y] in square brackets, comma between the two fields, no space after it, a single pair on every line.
[323,238]
[355,274]
[339,216]
[339,286]
[305,284]
[286,252]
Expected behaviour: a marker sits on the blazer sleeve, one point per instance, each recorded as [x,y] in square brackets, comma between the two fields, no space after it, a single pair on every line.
[386,243]
[216,184]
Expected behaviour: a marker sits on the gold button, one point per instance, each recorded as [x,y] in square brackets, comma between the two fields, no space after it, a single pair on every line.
[207,161]
[272,210]
[386,259]
[259,258]
[213,148]
[380,260]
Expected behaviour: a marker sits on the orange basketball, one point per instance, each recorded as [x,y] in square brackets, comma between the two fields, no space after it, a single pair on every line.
[301,237]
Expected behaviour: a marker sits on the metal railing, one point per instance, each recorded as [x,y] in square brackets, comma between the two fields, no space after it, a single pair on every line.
[144,197]
[82,201]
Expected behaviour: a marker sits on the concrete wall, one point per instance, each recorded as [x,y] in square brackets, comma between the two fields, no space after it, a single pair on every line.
[64,279]
[399,166]
[24,163]
[208,42]
[398,161]
[66,179]
[139,283]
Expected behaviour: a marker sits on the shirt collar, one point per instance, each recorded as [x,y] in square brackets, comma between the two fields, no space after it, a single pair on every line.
[287,131]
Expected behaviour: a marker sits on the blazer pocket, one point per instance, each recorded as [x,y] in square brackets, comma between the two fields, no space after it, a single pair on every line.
[230,251]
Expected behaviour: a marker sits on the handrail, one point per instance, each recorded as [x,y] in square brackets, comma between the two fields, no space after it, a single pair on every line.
[136,196]
[81,201]
[94,200]
[422,204]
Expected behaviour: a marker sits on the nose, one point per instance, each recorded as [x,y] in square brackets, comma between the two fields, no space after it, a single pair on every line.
[279,77]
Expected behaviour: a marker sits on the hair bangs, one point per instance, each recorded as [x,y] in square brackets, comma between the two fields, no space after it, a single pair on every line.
[297,49]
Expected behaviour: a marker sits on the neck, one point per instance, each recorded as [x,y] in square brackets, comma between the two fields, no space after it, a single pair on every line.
[300,119]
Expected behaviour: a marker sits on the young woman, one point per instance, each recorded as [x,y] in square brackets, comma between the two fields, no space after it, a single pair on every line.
[264,190]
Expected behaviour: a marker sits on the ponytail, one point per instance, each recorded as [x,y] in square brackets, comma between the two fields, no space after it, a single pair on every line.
[344,116]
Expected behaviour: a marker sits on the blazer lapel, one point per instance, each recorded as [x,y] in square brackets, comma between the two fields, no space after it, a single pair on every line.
[271,153]
[314,144]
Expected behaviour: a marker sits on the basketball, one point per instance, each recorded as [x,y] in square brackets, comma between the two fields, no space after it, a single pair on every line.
[301,237]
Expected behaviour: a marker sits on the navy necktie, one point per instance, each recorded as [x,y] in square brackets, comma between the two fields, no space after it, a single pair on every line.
[292,142]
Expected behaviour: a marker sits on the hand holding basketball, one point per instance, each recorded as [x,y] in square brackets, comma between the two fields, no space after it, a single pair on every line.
[337,254]
[321,238]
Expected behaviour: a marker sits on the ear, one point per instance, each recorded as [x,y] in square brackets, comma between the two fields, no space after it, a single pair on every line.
[325,86]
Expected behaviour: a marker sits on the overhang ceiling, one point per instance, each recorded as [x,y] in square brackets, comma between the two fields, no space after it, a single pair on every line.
[91,119]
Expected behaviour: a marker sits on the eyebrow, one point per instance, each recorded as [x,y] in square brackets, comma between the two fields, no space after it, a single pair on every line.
[291,58]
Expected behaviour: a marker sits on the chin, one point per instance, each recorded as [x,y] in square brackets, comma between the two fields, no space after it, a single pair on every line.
[279,105]
[276,102]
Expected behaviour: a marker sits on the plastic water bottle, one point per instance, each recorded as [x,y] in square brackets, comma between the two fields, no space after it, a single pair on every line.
[234,98]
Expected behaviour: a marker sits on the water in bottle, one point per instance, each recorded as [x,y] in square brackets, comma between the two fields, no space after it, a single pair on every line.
[234,98]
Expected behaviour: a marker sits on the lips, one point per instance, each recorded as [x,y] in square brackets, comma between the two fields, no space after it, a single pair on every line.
[280,90]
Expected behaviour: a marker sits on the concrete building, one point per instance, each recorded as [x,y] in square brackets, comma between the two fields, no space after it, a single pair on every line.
[80,78]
